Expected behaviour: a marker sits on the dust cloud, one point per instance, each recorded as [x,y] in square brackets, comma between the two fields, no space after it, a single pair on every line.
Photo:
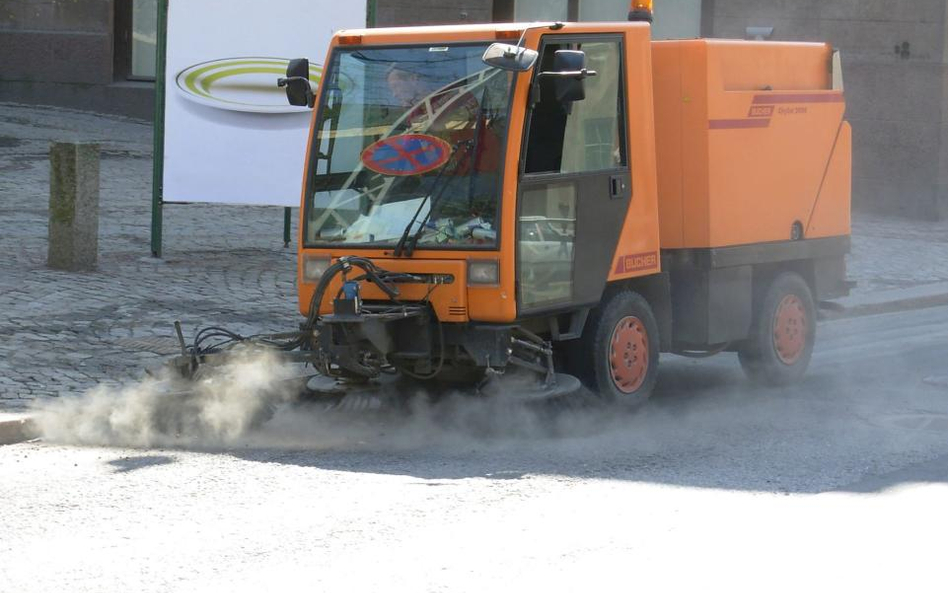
[217,409]
[253,402]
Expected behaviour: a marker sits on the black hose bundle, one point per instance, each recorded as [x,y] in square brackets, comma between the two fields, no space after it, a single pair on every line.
[382,279]
[214,339]
[227,339]
[377,275]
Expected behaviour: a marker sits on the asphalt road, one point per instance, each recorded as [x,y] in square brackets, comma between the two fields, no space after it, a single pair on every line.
[838,482]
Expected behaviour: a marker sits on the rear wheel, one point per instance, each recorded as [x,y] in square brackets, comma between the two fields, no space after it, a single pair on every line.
[783,333]
[617,355]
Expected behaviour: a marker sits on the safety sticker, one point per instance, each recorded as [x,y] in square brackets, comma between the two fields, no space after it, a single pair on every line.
[407,154]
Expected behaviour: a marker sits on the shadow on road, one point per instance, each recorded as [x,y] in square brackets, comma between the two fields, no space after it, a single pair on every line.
[129,464]
[704,427]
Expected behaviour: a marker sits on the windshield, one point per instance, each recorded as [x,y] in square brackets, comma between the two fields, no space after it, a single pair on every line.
[408,133]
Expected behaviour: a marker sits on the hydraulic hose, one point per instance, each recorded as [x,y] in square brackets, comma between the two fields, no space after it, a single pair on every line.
[372,272]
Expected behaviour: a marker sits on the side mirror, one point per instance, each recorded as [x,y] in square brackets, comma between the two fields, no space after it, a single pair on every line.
[569,67]
[298,90]
[568,73]
[509,57]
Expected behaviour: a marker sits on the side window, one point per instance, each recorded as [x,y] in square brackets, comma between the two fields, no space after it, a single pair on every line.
[585,135]
[547,233]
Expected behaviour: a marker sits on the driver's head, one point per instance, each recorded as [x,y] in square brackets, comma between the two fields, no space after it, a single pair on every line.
[406,86]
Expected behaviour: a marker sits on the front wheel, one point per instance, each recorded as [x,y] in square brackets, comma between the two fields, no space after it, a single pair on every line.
[783,333]
[617,355]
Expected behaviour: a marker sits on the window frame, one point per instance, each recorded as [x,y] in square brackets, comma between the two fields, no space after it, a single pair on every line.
[623,101]
[123,28]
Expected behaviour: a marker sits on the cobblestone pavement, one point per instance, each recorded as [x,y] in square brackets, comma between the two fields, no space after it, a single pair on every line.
[62,333]
[894,253]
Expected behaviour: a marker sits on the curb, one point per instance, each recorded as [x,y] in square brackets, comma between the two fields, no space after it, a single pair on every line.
[891,301]
[894,306]
[16,428]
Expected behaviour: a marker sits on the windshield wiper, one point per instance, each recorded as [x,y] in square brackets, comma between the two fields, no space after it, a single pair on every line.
[413,242]
[401,245]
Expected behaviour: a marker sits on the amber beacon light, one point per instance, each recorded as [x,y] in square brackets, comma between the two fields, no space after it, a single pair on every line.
[640,10]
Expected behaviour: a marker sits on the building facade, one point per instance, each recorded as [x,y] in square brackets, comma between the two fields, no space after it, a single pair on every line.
[99,55]
[88,54]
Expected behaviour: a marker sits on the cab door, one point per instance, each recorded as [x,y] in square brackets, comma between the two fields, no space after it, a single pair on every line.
[575,183]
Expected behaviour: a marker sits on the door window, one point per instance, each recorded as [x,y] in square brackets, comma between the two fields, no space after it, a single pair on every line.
[547,233]
[583,135]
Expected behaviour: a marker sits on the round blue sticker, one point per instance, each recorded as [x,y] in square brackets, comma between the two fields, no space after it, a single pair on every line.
[406,154]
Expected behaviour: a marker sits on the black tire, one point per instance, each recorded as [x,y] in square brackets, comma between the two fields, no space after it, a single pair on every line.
[774,355]
[592,357]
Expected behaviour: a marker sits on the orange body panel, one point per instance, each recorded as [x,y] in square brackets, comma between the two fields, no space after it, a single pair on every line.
[831,213]
[744,136]
[483,303]
[637,251]
[449,301]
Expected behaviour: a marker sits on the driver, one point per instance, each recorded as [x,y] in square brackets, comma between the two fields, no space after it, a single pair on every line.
[406,86]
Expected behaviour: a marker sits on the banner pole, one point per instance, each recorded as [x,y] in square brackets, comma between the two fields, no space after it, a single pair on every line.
[158,162]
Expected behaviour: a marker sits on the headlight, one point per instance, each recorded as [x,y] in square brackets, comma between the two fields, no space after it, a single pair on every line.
[314,268]
[484,272]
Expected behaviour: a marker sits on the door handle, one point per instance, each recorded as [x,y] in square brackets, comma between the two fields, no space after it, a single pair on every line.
[617,187]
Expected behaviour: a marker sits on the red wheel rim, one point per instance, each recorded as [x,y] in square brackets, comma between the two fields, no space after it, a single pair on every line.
[790,329]
[628,354]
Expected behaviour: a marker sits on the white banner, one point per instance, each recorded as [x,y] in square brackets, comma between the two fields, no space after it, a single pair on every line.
[230,136]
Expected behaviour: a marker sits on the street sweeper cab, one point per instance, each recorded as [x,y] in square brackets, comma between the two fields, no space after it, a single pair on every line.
[570,199]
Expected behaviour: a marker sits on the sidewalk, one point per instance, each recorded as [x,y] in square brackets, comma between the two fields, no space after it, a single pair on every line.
[62,333]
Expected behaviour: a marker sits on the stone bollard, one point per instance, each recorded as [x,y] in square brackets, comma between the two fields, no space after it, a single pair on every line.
[73,206]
